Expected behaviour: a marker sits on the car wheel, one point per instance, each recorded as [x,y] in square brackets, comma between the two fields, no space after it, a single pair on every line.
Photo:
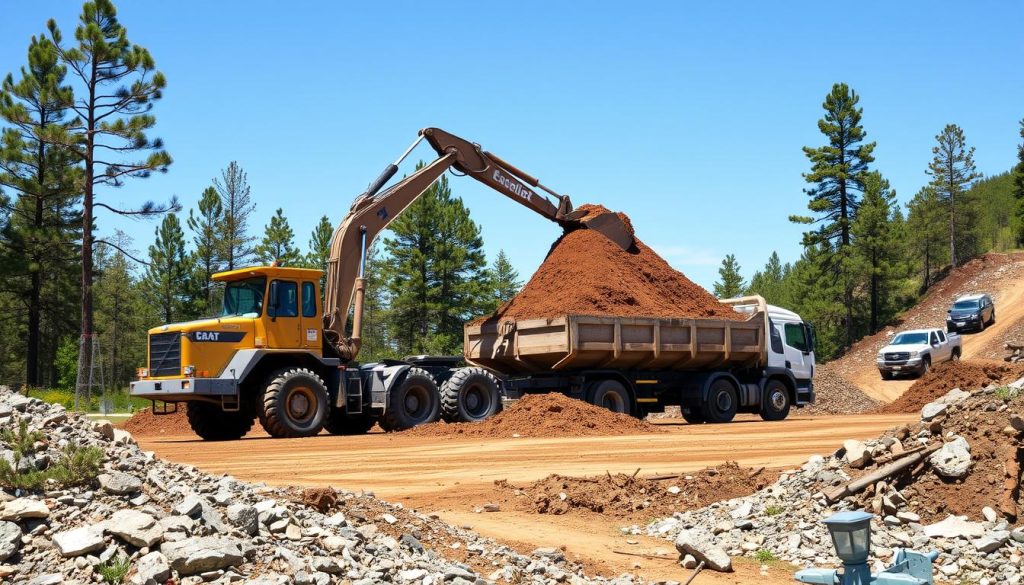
[926,365]
[992,320]
[886,375]
[692,415]
[956,355]
[981,325]
[470,395]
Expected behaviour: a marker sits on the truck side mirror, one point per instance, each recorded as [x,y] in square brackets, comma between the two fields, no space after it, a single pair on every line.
[273,304]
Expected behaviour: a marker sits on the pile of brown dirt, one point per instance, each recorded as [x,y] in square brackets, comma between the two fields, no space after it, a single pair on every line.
[146,424]
[967,375]
[834,394]
[625,496]
[543,415]
[584,273]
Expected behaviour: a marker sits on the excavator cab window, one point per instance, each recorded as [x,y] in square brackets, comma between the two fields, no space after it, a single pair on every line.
[284,300]
[309,299]
[244,297]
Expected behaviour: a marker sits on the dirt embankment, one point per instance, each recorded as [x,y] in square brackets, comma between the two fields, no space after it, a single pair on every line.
[584,273]
[542,415]
[834,394]
[967,375]
[146,424]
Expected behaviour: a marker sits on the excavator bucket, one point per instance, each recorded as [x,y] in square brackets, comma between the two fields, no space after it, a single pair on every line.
[608,224]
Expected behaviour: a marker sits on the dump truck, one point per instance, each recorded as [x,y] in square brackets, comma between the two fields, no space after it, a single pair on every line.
[279,354]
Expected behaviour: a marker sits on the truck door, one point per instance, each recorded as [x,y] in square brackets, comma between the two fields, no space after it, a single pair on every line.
[283,328]
[799,352]
[940,349]
[311,322]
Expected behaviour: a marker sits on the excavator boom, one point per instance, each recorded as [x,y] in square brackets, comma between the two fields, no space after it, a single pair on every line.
[372,211]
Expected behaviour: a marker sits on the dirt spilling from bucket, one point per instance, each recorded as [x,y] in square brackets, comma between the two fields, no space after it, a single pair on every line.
[146,424]
[543,415]
[967,375]
[585,273]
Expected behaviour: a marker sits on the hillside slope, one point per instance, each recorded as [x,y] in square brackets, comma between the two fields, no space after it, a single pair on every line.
[1000,275]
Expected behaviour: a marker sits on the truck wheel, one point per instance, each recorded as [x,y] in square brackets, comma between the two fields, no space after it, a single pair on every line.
[294,404]
[609,394]
[981,325]
[414,401]
[213,424]
[926,364]
[693,415]
[956,355]
[470,395]
[722,402]
[886,375]
[340,423]
[775,403]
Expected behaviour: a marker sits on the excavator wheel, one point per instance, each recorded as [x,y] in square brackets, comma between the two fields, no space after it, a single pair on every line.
[213,424]
[413,401]
[340,423]
[294,404]
[470,395]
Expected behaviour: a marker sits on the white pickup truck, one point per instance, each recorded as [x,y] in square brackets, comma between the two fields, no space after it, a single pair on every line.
[914,352]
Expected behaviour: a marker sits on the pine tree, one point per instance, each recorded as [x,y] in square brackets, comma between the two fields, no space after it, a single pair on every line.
[278,243]
[952,171]
[814,290]
[876,249]
[1018,182]
[730,283]
[925,227]
[119,85]
[320,245]
[41,231]
[166,276]
[838,171]
[506,280]
[377,343]
[236,202]
[122,313]
[768,282]
[206,237]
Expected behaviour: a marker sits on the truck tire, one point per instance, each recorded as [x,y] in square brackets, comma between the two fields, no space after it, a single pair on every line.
[413,401]
[721,403]
[955,357]
[886,375]
[610,394]
[470,395]
[692,415]
[294,404]
[775,403]
[213,424]
[981,325]
[340,423]
[926,365]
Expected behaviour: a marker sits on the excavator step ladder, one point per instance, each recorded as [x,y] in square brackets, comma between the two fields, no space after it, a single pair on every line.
[352,383]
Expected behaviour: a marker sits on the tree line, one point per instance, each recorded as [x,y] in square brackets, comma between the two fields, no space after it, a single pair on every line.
[75,127]
[865,257]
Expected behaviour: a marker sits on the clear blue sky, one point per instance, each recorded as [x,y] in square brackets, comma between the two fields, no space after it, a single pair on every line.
[687,116]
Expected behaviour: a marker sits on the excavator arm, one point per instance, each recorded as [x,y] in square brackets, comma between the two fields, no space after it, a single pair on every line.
[372,211]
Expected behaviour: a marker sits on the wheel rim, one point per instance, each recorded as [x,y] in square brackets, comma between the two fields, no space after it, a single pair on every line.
[301,404]
[723,401]
[417,403]
[778,400]
[476,401]
[613,402]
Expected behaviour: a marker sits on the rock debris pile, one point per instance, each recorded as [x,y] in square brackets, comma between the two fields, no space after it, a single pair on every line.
[153,522]
[958,495]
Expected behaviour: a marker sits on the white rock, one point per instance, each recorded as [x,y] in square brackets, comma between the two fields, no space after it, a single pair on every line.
[79,541]
[389,518]
[123,437]
[702,546]
[134,527]
[202,554]
[674,490]
[992,541]
[412,574]
[857,454]
[989,514]
[955,527]
[152,569]
[23,509]
[742,511]
[10,539]
[119,483]
[932,410]
[908,517]
[953,459]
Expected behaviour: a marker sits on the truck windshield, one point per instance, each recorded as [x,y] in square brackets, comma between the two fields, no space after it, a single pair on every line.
[965,305]
[911,339]
[242,297]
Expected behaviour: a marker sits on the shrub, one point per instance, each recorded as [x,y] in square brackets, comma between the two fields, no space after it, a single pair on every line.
[1006,393]
[764,556]
[773,510]
[21,441]
[78,465]
[114,570]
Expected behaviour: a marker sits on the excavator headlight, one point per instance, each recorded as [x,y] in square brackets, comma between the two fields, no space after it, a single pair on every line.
[142,373]
[190,371]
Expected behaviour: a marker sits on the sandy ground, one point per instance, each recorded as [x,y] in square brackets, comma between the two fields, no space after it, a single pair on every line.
[451,477]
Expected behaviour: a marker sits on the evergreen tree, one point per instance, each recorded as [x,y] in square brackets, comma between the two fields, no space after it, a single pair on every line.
[952,171]
[877,251]
[769,282]
[926,231]
[166,276]
[40,233]
[119,85]
[206,237]
[436,273]
[506,280]
[320,245]
[377,343]
[730,283]
[838,171]
[236,203]
[278,243]
[814,290]
[1018,181]
[122,313]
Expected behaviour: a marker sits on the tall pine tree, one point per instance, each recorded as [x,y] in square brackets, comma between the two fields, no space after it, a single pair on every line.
[166,275]
[236,203]
[320,245]
[506,280]
[926,231]
[769,281]
[952,171]
[838,171]
[730,282]
[1018,182]
[278,244]
[877,251]
[206,238]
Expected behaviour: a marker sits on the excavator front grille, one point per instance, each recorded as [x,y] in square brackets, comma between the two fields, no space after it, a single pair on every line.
[165,354]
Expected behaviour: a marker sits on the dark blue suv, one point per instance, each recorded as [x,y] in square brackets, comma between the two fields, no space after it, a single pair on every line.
[971,313]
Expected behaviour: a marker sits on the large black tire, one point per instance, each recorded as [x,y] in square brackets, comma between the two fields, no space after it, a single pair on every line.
[694,416]
[955,355]
[992,319]
[610,394]
[981,325]
[470,395]
[340,423]
[776,402]
[926,365]
[213,424]
[886,375]
[413,401]
[721,403]
[294,404]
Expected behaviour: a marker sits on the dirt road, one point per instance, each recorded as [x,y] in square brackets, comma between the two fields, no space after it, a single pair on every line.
[451,477]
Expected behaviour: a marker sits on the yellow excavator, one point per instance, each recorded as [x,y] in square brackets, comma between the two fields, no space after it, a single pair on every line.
[276,355]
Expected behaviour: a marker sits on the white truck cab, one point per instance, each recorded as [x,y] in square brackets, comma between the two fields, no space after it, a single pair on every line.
[790,343]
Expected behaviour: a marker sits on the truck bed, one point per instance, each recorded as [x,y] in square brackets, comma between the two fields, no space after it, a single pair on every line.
[576,342]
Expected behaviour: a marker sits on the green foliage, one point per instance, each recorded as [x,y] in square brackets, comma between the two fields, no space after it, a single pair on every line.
[77,466]
[166,283]
[952,170]
[205,260]
[505,280]
[119,400]
[114,570]
[878,254]
[124,313]
[21,441]
[1007,393]
[235,244]
[764,556]
[996,225]
[927,231]
[770,282]
[320,245]
[278,243]
[730,283]
[1018,187]
[66,363]
[377,341]
[773,510]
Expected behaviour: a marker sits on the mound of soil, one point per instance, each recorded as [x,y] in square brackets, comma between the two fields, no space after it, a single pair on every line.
[543,415]
[146,424]
[967,375]
[584,273]
[834,394]
[625,496]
